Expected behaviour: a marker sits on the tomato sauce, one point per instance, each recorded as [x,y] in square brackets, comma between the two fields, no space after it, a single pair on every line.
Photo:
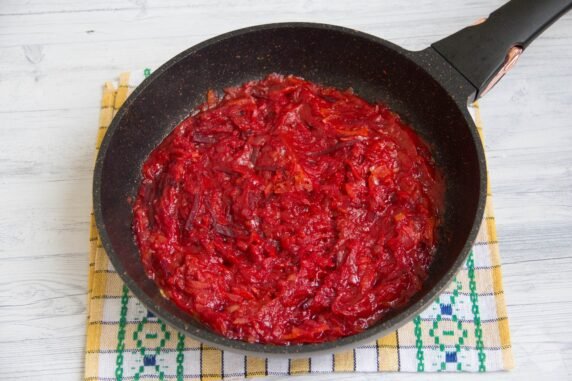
[287,213]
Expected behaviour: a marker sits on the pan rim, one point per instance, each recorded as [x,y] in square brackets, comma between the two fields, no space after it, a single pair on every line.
[269,350]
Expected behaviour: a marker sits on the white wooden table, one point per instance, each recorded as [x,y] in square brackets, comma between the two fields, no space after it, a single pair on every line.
[54,56]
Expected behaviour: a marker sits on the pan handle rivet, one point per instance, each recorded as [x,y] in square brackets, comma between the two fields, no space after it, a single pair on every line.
[509,62]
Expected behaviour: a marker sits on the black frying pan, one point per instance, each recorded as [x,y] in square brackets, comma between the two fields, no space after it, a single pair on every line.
[429,89]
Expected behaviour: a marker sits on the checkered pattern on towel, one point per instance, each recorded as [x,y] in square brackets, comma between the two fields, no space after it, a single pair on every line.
[465,329]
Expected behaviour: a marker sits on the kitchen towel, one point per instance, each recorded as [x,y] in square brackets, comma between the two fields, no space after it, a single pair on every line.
[464,330]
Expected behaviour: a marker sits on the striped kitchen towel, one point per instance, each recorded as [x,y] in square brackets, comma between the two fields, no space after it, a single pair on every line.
[465,329]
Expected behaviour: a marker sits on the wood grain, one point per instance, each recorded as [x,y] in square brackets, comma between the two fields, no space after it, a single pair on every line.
[54,56]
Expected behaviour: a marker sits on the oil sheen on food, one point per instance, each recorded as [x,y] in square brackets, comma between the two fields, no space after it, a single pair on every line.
[286,212]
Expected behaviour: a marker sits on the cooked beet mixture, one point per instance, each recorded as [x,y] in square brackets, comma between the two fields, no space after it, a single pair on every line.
[288,213]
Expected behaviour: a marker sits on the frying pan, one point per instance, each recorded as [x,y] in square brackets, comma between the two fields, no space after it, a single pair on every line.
[429,89]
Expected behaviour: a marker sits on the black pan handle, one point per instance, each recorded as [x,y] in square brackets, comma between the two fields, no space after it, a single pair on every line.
[484,52]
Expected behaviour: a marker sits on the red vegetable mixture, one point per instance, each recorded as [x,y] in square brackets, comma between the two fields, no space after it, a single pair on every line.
[289,213]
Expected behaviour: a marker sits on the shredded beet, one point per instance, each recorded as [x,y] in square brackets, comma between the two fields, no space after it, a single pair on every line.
[289,213]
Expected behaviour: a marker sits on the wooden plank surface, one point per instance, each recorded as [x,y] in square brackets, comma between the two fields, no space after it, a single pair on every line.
[54,56]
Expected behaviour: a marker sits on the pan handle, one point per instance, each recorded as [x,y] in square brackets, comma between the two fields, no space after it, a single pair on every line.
[484,52]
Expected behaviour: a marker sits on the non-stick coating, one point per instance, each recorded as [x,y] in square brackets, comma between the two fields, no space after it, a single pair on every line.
[420,86]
